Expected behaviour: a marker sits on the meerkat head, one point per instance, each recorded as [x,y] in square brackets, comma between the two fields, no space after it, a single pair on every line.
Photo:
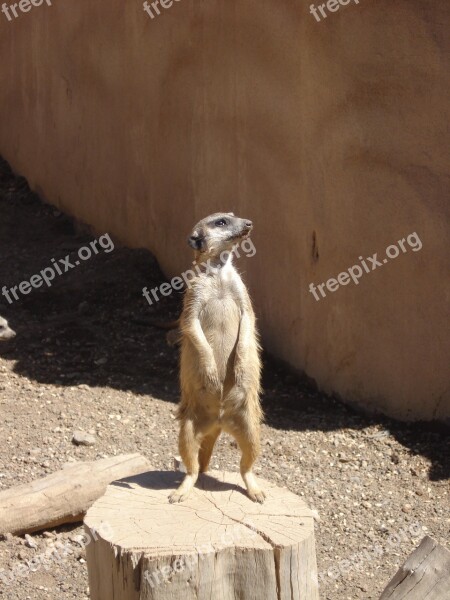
[218,233]
[6,333]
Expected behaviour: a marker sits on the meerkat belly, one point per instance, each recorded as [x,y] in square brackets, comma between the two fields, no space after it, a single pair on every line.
[220,320]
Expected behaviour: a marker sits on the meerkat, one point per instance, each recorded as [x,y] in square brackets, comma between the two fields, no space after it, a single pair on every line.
[6,333]
[220,366]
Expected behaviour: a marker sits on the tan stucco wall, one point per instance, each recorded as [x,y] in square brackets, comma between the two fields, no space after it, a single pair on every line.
[140,127]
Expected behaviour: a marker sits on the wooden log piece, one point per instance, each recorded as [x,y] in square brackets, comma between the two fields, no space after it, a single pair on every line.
[64,496]
[217,545]
[425,575]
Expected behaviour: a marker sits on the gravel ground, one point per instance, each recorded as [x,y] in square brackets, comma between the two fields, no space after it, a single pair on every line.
[83,359]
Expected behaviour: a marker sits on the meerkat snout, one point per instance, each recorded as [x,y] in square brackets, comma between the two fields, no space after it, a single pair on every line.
[6,333]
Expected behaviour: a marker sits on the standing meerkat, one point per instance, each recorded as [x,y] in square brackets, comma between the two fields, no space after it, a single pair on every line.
[220,368]
[6,333]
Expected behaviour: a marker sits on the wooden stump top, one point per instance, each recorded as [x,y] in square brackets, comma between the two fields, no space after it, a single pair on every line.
[138,515]
[245,544]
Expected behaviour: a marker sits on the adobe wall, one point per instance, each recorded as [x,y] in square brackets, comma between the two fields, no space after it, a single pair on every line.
[330,136]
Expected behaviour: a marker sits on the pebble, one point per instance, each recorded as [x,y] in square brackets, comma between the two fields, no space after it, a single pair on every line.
[78,539]
[101,361]
[48,534]
[29,542]
[83,307]
[406,508]
[81,438]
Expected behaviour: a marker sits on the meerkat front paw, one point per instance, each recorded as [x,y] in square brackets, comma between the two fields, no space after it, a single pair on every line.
[212,379]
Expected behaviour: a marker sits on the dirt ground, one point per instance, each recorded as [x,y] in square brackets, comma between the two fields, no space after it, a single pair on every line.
[83,359]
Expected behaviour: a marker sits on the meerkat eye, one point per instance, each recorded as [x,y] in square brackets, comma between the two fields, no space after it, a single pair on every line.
[220,223]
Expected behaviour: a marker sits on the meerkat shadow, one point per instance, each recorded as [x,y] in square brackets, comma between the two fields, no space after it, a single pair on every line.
[208,483]
[170,480]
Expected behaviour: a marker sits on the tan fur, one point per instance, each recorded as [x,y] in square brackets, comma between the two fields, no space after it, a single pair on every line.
[6,333]
[220,363]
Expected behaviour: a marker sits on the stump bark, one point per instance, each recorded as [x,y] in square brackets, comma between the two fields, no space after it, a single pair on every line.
[218,545]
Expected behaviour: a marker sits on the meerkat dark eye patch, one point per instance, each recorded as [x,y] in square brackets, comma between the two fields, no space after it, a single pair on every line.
[221,223]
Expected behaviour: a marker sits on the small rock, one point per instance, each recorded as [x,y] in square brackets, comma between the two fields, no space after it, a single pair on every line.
[315,514]
[81,438]
[101,361]
[83,307]
[48,534]
[406,508]
[29,542]
[78,539]
[395,458]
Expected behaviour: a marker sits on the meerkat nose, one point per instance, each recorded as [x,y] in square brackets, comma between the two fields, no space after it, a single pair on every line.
[248,224]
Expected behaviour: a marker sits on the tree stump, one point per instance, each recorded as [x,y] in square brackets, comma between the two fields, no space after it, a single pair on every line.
[218,545]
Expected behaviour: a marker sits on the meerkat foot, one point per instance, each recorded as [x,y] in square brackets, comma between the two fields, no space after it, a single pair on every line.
[177,496]
[254,491]
[182,493]
[257,495]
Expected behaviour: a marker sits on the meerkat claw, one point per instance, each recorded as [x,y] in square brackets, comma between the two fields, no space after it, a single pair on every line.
[175,498]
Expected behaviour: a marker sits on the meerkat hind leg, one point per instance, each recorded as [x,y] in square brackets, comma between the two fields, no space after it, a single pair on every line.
[250,447]
[189,446]
[206,449]
[247,460]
